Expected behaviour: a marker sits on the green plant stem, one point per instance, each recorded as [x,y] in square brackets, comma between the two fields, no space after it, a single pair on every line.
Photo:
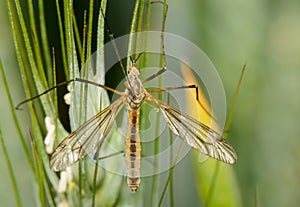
[171,188]
[155,186]
[96,169]
[83,74]
[38,167]
[38,75]
[95,184]
[132,36]
[226,128]
[80,178]
[237,90]
[171,172]
[212,185]
[77,36]
[42,164]
[36,45]
[11,171]
[45,45]
[90,29]
[62,41]
[20,135]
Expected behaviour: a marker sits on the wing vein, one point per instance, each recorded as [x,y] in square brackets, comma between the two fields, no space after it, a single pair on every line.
[86,138]
[196,134]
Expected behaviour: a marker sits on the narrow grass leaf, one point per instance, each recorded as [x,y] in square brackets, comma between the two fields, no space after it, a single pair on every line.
[15,30]
[11,171]
[62,40]
[220,188]
[233,105]
[38,173]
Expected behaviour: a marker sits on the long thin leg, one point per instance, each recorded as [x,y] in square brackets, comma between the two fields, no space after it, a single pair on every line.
[65,83]
[175,88]
[164,69]
[155,75]
[163,28]
[107,156]
[184,87]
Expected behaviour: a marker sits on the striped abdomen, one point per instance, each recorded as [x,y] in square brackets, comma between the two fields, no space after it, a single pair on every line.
[133,149]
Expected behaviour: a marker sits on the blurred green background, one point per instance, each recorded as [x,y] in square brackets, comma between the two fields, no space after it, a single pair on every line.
[264,131]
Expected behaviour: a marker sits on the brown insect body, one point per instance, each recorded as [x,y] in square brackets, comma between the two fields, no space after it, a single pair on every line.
[135,94]
[133,149]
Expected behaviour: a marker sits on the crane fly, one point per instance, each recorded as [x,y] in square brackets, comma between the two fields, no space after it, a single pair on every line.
[92,133]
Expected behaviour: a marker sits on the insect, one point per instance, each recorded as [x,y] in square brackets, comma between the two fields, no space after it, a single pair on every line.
[93,132]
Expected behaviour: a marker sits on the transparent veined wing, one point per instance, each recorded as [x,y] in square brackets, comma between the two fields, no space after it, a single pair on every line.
[197,134]
[86,138]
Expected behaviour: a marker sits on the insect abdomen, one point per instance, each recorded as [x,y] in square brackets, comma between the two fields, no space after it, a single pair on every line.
[133,150]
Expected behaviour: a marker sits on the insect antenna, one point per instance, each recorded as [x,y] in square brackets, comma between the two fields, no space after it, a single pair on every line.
[112,39]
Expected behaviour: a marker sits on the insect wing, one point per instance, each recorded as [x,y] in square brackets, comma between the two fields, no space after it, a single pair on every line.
[197,134]
[86,138]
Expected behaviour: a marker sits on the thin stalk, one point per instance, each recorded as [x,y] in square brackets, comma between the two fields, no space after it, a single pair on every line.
[42,168]
[132,38]
[39,77]
[90,30]
[96,170]
[38,167]
[147,26]
[21,55]
[84,45]
[237,90]
[148,12]
[62,41]
[212,185]
[77,35]
[55,93]
[140,16]
[83,171]
[163,30]
[70,45]
[80,179]
[48,192]
[226,128]
[162,62]
[171,172]
[100,37]
[94,184]
[36,45]
[144,59]
[83,88]
[155,187]
[256,197]
[72,63]
[20,135]
[11,171]
[45,45]
[171,188]
[139,26]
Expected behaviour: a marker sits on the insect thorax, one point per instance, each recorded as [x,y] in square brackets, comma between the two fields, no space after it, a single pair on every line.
[135,91]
